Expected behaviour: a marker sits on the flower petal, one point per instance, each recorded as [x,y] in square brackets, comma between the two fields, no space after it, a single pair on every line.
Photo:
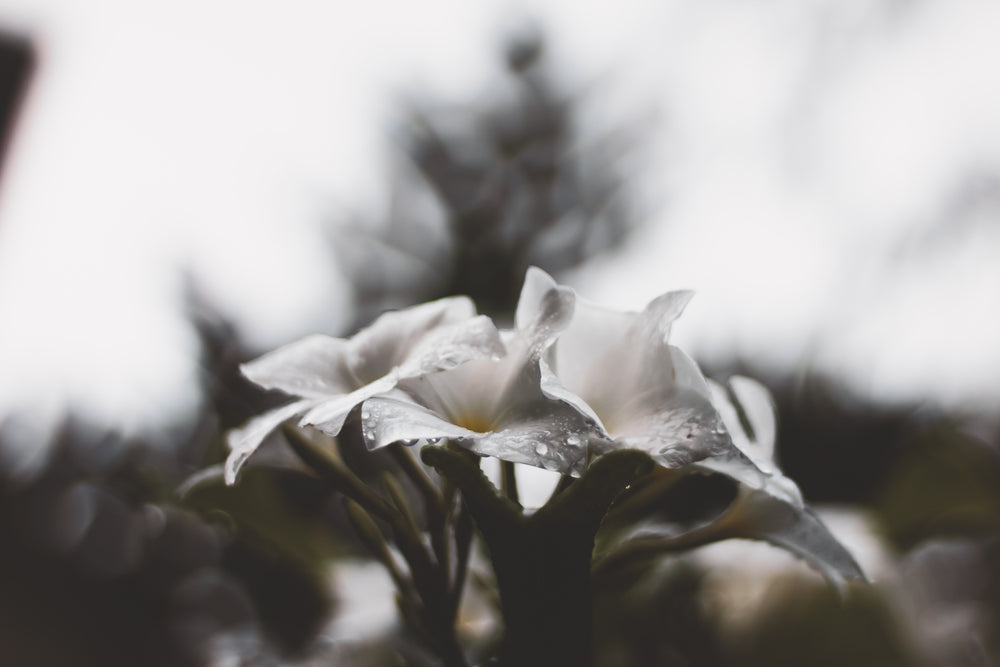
[662,311]
[730,417]
[604,353]
[687,376]
[618,363]
[594,357]
[553,315]
[386,419]
[329,415]
[314,366]
[553,388]
[468,395]
[452,345]
[691,437]
[755,401]
[389,340]
[536,285]
[245,440]
[557,441]
[758,406]
[759,515]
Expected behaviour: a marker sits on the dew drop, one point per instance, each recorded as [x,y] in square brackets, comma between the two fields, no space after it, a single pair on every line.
[573,441]
[551,464]
[541,449]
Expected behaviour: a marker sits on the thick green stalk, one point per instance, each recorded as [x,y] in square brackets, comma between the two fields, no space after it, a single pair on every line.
[542,562]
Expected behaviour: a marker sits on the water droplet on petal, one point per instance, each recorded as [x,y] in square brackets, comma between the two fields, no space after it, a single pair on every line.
[551,464]
[573,441]
[541,449]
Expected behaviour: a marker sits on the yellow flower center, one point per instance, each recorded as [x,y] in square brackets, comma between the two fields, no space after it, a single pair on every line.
[474,422]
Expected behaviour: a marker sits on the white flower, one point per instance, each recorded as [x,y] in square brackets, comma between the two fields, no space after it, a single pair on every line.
[494,407]
[333,375]
[648,395]
[618,368]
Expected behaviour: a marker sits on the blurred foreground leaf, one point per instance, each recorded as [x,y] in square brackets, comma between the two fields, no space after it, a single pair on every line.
[280,549]
[947,485]
[816,627]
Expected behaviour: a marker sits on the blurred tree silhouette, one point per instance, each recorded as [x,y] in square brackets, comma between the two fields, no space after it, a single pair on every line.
[515,186]
[99,552]
[17,64]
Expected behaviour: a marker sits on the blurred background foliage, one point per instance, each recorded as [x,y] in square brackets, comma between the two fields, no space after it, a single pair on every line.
[516,188]
[104,563]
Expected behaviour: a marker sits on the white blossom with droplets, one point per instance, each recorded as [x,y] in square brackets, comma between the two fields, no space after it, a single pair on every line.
[618,368]
[331,376]
[493,407]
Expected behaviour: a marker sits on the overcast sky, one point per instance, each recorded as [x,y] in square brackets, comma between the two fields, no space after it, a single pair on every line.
[808,164]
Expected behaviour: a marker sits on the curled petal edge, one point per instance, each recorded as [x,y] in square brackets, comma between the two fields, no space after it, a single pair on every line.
[246,439]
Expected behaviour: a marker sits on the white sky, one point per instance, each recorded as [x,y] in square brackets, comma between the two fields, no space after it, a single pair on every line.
[827,134]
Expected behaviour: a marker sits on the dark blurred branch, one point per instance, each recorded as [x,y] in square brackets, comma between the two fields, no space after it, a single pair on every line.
[17,65]
[515,186]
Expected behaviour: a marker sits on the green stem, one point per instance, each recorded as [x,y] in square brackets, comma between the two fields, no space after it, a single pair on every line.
[411,468]
[645,547]
[564,483]
[542,562]
[508,482]
[434,503]
[338,475]
[464,529]
[438,612]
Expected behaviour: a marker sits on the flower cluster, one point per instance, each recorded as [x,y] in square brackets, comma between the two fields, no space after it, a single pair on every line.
[570,381]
